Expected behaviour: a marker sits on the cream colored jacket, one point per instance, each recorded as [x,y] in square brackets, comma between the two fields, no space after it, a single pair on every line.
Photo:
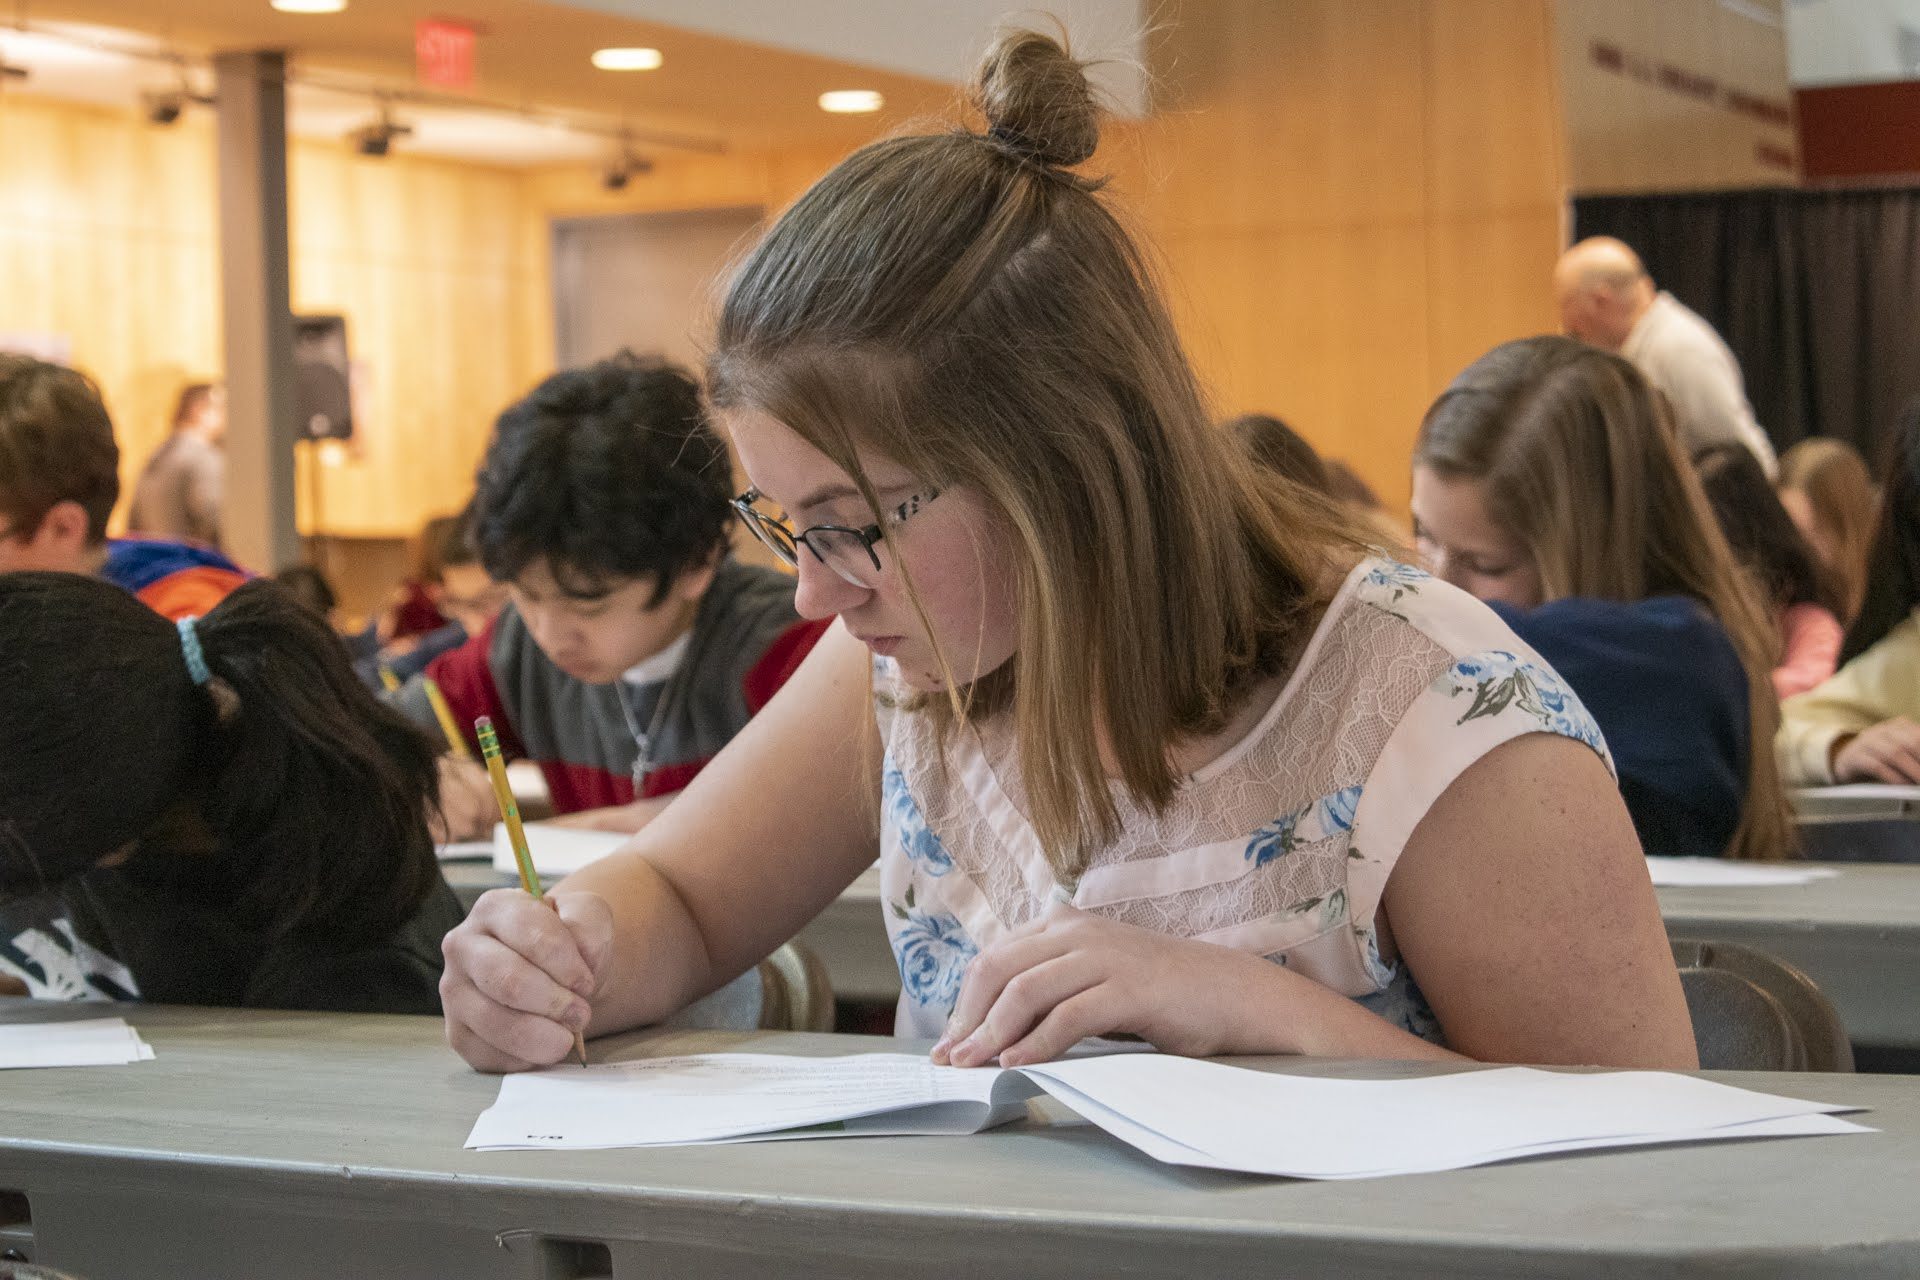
[1880,684]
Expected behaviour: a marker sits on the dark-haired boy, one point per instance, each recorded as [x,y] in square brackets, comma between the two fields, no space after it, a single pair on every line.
[59,480]
[632,646]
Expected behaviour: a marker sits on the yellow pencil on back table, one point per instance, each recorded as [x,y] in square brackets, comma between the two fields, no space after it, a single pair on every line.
[456,741]
[516,833]
[389,681]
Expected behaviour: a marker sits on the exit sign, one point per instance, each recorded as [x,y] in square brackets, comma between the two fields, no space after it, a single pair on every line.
[443,53]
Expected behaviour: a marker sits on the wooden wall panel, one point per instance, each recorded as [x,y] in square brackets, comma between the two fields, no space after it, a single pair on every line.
[428,263]
[1353,200]
[106,242]
[1495,157]
[108,238]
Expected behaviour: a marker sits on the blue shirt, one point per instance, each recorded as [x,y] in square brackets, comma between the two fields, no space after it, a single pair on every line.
[1662,678]
[174,579]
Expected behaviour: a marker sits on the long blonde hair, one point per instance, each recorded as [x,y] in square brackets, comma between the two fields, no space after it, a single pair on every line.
[1582,466]
[966,305]
[1840,489]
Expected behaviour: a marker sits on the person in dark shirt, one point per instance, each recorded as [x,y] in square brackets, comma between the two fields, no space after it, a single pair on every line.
[1548,480]
[212,812]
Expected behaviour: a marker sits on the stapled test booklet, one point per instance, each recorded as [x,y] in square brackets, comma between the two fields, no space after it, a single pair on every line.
[1178,1110]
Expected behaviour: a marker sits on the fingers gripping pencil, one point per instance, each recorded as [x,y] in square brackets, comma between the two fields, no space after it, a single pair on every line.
[516,833]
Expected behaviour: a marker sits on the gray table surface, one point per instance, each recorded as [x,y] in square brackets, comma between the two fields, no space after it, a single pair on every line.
[1857,934]
[312,1145]
[1816,805]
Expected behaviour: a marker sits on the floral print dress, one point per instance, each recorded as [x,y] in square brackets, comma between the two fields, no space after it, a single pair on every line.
[1281,846]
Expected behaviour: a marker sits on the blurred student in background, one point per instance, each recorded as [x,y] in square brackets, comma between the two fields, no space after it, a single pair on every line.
[451,599]
[633,645]
[1806,601]
[1828,490]
[1279,448]
[182,489]
[1860,726]
[59,480]
[1549,482]
[1607,299]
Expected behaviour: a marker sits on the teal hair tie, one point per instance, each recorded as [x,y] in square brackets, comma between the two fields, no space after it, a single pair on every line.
[191,651]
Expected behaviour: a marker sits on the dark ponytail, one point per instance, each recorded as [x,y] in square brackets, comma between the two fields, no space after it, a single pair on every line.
[314,795]
[1893,562]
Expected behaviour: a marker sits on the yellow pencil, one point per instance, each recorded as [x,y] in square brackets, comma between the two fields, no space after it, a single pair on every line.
[389,681]
[456,742]
[516,833]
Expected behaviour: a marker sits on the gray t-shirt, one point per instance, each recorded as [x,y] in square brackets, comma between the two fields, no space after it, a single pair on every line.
[180,491]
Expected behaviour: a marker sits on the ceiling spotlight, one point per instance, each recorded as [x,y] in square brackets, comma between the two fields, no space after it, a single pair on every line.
[309,6]
[625,167]
[376,139]
[627,59]
[162,106]
[851,102]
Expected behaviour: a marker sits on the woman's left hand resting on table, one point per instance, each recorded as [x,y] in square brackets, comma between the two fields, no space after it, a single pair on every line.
[1070,974]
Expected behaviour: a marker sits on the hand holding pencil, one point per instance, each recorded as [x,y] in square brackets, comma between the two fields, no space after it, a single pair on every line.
[516,832]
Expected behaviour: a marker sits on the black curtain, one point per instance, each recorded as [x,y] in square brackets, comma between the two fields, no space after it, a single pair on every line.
[1817,292]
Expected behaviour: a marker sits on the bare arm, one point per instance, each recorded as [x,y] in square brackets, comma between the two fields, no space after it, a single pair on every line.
[769,832]
[623,818]
[1523,905]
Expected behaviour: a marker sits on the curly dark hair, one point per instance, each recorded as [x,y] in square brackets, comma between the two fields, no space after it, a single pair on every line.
[607,473]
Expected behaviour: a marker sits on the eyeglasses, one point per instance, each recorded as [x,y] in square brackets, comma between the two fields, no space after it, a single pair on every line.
[848,552]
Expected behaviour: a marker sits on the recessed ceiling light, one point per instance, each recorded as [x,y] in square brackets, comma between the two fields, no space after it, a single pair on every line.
[308,6]
[851,101]
[627,59]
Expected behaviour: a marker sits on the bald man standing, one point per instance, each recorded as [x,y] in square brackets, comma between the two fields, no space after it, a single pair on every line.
[1607,298]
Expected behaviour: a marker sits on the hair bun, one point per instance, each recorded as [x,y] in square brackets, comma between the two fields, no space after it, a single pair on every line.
[1037,101]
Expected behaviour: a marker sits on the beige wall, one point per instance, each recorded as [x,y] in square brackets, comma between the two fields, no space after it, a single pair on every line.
[108,239]
[1668,95]
[1352,199]
[107,243]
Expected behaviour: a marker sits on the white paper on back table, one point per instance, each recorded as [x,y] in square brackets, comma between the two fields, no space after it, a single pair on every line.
[557,850]
[1673,873]
[90,1042]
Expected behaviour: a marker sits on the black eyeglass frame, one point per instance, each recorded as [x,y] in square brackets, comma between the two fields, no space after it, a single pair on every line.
[775,534]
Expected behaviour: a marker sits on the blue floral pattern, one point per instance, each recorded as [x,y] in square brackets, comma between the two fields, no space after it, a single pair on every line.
[1404,1005]
[1327,816]
[917,840]
[1496,680]
[1395,578]
[932,950]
